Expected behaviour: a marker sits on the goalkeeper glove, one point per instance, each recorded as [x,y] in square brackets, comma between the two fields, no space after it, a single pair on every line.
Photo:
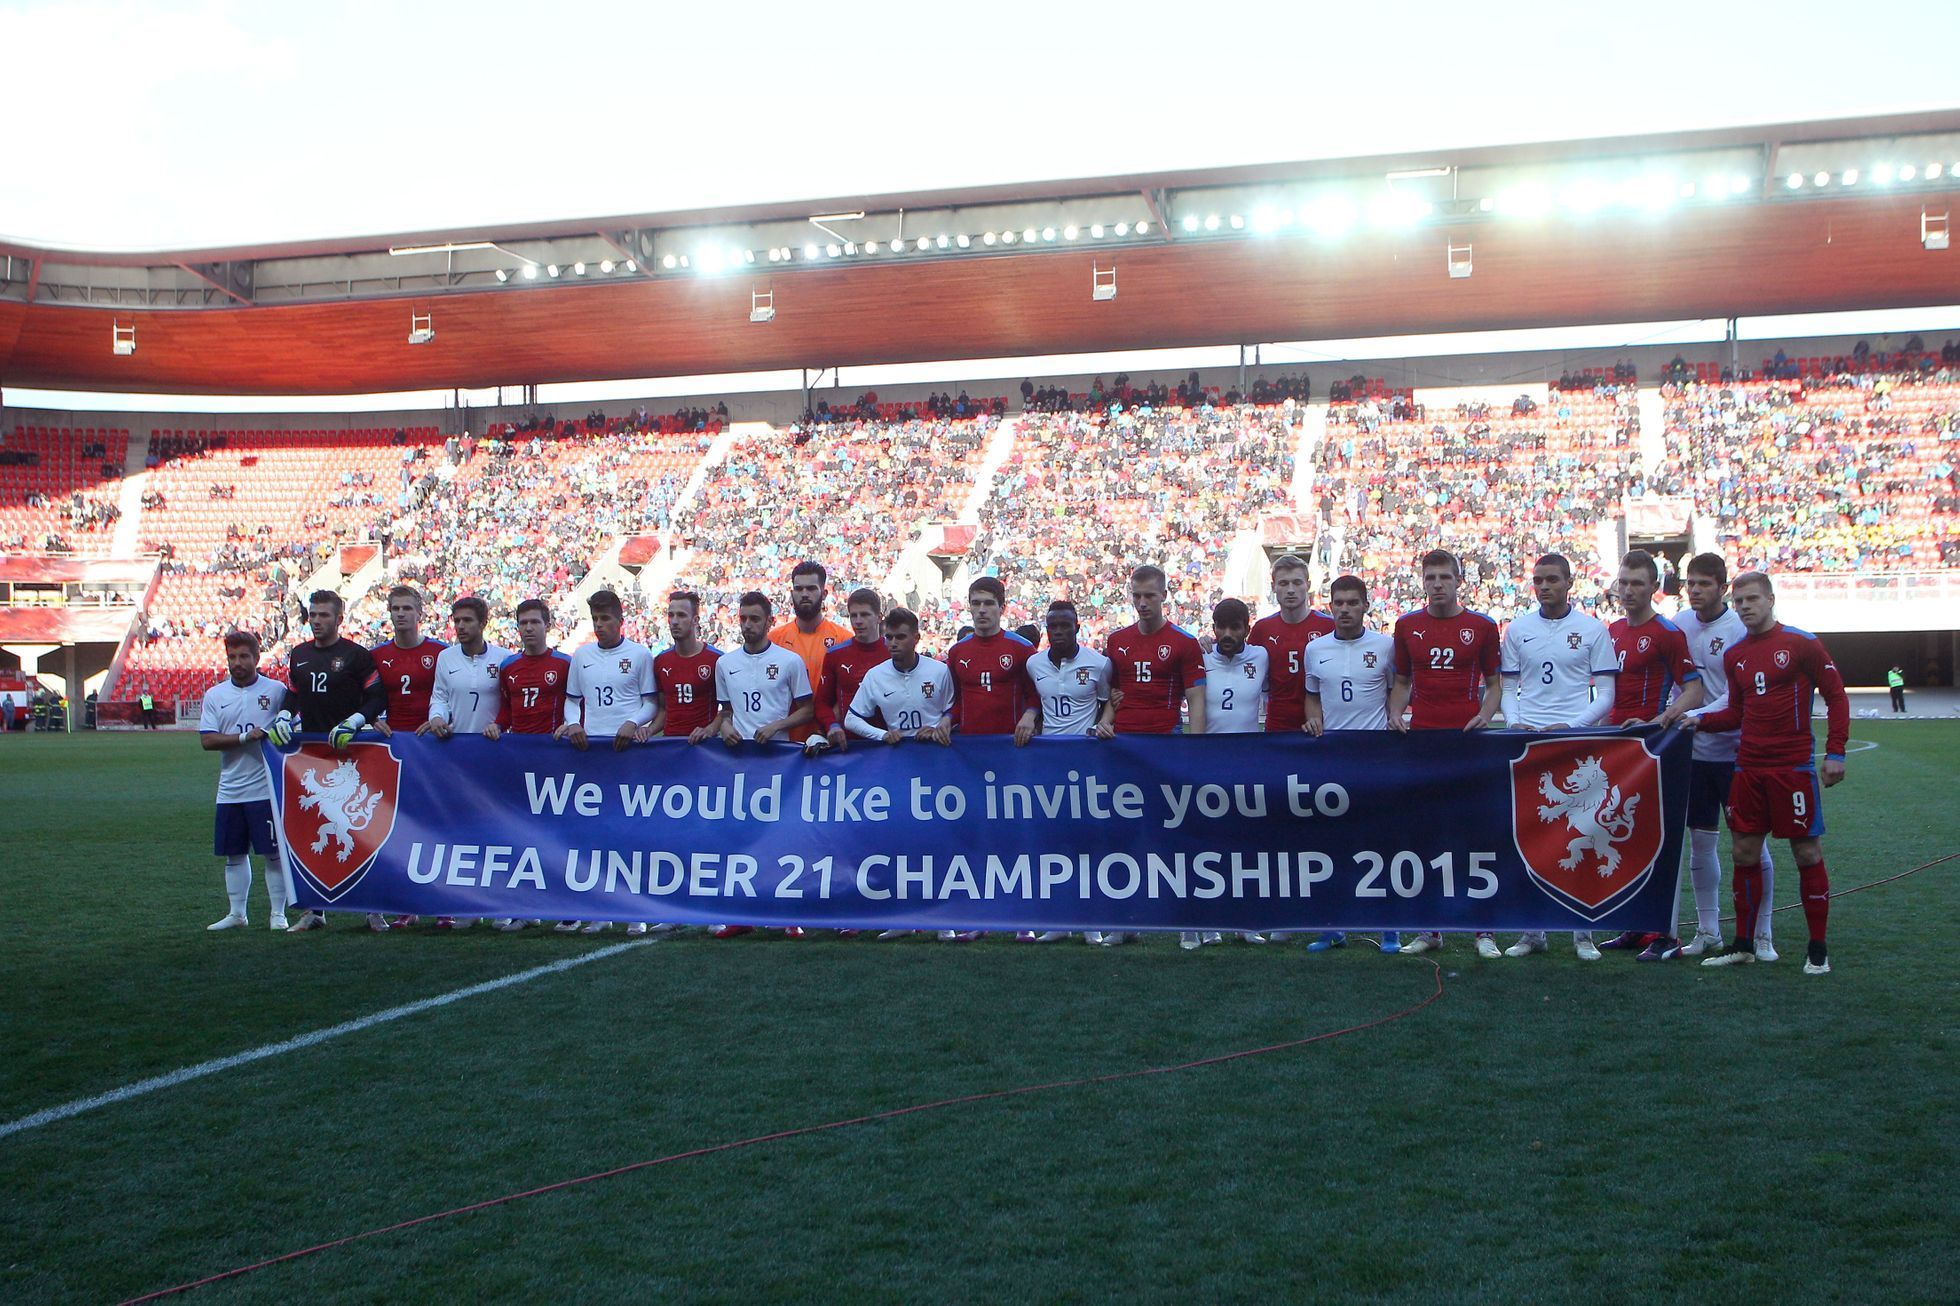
[343,734]
[280,732]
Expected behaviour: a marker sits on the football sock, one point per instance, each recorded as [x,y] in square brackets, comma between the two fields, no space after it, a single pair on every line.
[1816,884]
[238,882]
[1748,899]
[1766,903]
[276,887]
[1705,869]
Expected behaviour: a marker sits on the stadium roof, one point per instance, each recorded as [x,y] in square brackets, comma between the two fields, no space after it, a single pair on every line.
[1800,217]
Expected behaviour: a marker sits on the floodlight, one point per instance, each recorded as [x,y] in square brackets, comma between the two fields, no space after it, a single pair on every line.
[1143,228]
[578,269]
[1190,222]
[832,250]
[1850,177]
[1933,172]
[1008,237]
[1048,233]
[987,238]
[1527,201]
[850,247]
[631,266]
[962,240]
[1908,172]
[944,241]
[1486,204]
[606,266]
[1330,217]
[1821,179]
[1027,237]
[530,272]
[1095,231]
[502,275]
[1882,174]
[551,269]
[1796,181]
[667,262]
[1584,197]
[775,256]
[925,242]
[1238,222]
[1070,233]
[1122,228]
[1211,222]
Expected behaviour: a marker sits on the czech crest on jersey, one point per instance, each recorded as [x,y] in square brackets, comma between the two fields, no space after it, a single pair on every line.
[1586,817]
[1164,652]
[1467,635]
[337,811]
[428,661]
[1007,662]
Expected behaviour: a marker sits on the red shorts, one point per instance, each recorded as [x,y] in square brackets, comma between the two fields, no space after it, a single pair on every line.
[1784,804]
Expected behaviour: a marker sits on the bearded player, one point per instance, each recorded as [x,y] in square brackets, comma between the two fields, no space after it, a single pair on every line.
[1446,677]
[1774,676]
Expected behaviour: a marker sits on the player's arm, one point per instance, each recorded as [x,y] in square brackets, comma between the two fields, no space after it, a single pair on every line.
[1030,723]
[1315,722]
[374,693]
[1727,715]
[572,728]
[857,718]
[438,722]
[1604,685]
[658,726]
[1837,710]
[1193,667]
[1398,701]
[1493,702]
[801,713]
[212,741]
[1509,670]
[1687,700]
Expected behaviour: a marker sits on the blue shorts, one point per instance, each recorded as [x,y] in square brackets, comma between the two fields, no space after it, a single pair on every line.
[1708,793]
[245,828]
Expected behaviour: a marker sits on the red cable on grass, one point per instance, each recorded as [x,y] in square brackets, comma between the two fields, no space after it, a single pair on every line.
[780,1135]
[892,1114]
[1856,888]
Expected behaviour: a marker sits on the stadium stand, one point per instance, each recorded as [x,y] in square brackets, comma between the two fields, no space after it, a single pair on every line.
[1839,471]
[59,489]
[1085,495]
[851,493]
[1497,488]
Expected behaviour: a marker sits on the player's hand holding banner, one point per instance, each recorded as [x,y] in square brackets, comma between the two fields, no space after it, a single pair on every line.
[1354,830]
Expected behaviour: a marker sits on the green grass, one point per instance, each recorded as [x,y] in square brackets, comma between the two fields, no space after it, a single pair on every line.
[1547,1130]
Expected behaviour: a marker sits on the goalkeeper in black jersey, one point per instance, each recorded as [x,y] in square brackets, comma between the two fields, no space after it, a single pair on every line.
[335,688]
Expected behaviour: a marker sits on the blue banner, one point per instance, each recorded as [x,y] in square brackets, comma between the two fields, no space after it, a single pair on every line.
[1355,830]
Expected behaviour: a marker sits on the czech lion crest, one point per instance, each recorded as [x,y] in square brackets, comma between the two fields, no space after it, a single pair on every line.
[338,810]
[1586,816]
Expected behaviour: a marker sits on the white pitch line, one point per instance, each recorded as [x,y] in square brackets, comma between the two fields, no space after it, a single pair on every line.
[301,1041]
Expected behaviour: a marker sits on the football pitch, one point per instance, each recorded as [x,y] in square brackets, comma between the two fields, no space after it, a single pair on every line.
[1544,1129]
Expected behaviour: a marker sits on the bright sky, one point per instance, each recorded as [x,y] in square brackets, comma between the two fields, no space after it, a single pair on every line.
[183,123]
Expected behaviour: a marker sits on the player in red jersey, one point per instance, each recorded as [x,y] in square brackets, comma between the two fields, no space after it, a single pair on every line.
[407,664]
[845,665]
[1774,675]
[989,666]
[533,680]
[407,667]
[1285,635]
[1447,662]
[1157,667]
[683,674]
[1657,673]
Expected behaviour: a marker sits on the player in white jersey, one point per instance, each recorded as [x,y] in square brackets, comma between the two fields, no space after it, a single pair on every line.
[233,720]
[1070,682]
[906,696]
[763,688]
[1559,667]
[1348,678]
[468,692]
[608,691]
[1235,687]
[1713,628]
[1235,672]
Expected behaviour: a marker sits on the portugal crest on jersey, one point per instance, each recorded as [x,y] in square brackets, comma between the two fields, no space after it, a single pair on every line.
[1572,640]
[265,702]
[1586,818]
[337,811]
[1715,644]
[1082,675]
[1367,659]
[771,671]
[626,666]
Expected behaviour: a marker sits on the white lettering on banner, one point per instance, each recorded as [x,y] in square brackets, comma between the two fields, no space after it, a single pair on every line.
[831,798]
[451,864]
[1213,801]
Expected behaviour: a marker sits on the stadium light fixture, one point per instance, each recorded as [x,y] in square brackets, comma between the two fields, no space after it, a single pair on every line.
[1908,173]
[530,272]
[1008,237]
[1715,188]
[1070,233]
[987,238]
[1821,180]
[1265,218]
[551,269]
[850,247]
[1687,191]
[962,240]
[1527,201]
[606,266]
[1933,172]
[1738,184]
[1048,233]
[1095,231]
[1584,196]
[668,262]
[1850,177]
[503,275]
[1143,228]
[1122,228]
[631,266]
[775,256]
[1190,222]
[832,250]
[1796,181]
[1330,217]
[1882,174]
[809,251]
[944,240]
[578,269]
[1238,221]
[1028,236]
[1486,204]
[1393,210]
[1211,222]
[925,242]
[446,247]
